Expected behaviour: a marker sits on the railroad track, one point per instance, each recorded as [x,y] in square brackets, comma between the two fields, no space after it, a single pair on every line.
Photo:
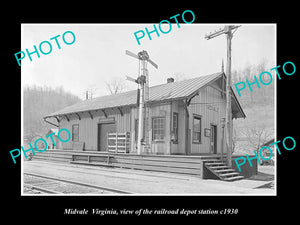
[38,190]
[41,184]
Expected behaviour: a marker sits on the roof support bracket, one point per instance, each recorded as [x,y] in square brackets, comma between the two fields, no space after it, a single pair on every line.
[189,99]
[91,115]
[67,118]
[57,119]
[45,119]
[120,111]
[78,116]
[104,113]
[185,105]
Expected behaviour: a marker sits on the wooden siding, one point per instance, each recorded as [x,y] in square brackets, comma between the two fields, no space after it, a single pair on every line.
[211,112]
[88,127]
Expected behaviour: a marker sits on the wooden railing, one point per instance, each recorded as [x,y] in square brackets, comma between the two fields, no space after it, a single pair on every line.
[118,142]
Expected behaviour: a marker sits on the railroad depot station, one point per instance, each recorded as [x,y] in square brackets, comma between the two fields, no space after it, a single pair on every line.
[185,130]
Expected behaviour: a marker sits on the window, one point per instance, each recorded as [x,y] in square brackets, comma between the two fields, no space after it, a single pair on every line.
[196,129]
[75,132]
[175,127]
[158,128]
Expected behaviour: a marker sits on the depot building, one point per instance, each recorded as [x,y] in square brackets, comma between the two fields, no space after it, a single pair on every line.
[185,118]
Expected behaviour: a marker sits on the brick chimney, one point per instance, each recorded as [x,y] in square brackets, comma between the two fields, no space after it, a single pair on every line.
[170,80]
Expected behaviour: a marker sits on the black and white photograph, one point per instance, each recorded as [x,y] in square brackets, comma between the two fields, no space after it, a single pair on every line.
[128,112]
[143,109]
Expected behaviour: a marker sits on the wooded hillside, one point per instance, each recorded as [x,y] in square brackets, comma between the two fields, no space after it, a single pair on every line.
[40,101]
[258,105]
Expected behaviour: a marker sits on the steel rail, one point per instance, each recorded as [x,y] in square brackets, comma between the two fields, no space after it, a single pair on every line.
[41,189]
[78,183]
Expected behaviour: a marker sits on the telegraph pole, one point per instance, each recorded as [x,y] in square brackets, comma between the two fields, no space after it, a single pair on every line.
[228,98]
[228,122]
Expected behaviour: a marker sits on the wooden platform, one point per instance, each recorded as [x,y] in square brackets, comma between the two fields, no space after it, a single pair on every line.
[192,165]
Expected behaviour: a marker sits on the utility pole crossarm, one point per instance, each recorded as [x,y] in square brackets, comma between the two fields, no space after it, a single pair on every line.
[215,34]
[221,31]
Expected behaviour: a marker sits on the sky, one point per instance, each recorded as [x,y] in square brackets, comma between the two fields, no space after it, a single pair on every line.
[98,54]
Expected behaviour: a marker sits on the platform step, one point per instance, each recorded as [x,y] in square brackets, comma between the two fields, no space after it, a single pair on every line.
[234,178]
[218,167]
[225,170]
[228,174]
[211,164]
[210,160]
[222,171]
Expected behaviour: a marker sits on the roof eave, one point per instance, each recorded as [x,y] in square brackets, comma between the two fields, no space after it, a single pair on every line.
[89,110]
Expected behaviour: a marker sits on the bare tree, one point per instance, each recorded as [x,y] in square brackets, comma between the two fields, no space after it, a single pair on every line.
[115,85]
[256,136]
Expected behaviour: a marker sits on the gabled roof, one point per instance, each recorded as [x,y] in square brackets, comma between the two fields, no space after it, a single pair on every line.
[164,92]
